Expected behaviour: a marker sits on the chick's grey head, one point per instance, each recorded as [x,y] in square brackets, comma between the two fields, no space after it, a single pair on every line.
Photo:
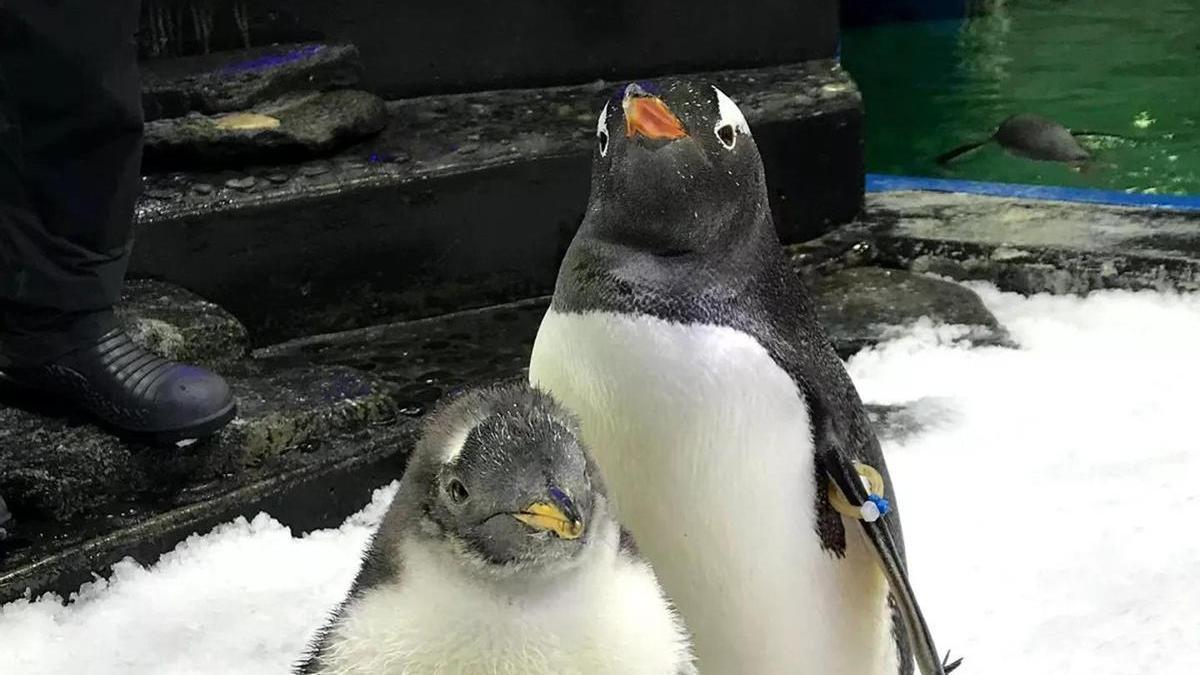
[505,481]
[675,171]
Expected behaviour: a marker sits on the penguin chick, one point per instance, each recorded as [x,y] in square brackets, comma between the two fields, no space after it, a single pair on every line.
[500,555]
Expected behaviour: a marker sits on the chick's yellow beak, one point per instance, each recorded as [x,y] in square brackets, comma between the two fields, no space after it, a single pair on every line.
[548,516]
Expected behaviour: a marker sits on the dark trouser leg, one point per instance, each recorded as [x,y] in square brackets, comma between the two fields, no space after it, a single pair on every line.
[70,156]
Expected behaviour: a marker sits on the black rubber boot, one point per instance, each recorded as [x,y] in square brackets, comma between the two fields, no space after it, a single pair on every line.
[134,391]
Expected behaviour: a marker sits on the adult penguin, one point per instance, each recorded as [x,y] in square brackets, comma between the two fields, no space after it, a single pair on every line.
[716,407]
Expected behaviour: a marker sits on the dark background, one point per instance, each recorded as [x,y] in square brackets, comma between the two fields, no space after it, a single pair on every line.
[411,48]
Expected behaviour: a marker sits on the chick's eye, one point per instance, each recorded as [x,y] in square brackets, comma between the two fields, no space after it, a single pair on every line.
[727,135]
[602,138]
[457,491]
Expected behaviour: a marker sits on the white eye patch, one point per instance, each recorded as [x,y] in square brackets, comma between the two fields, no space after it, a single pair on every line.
[730,116]
[602,130]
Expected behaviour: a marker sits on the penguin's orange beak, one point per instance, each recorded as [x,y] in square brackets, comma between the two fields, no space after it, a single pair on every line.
[650,117]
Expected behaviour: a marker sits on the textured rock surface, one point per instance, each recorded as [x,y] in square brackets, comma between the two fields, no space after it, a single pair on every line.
[1033,246]
[60,466]
[181,325]
[862,306]
[297,409]
[294,127]
[237,80]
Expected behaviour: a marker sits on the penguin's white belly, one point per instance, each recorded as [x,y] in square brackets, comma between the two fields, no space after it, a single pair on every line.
[612,620]
[706,448]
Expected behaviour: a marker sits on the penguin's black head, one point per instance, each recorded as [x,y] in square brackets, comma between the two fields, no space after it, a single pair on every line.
[507,482]
[675,170]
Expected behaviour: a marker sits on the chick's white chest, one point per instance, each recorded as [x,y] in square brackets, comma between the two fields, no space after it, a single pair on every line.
[609,619]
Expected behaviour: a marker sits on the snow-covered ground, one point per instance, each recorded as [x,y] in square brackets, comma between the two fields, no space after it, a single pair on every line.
[1049,509]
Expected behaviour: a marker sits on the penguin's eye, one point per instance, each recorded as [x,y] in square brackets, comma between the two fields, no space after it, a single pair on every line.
[457,491]
[602,137]
[730,121]
[727,135]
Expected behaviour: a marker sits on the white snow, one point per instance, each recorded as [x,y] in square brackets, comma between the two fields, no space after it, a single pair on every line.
[243,598]
[1051,522]
[1048,509]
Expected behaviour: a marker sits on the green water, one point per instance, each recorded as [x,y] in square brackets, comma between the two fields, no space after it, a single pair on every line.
[1118,66]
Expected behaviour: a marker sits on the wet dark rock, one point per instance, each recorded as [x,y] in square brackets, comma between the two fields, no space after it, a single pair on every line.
[57,468]
[278,178]
[314,170]
[237,80]
[202,188]
[860,307]
[1035,246]
[290,128]
[848,246]
[61,467]
[180,325]
[289,410]
[240,183]
[162,194]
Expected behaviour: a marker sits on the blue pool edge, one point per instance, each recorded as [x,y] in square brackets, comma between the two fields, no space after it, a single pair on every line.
[890,183]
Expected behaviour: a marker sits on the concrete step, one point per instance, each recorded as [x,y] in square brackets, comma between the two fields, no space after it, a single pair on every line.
[464,201]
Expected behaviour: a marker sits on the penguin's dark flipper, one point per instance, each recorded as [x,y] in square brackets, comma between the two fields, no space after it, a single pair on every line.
[844,474]
[946,158]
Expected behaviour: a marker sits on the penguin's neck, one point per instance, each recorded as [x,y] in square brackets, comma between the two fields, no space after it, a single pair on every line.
[607,273]
[719,236]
